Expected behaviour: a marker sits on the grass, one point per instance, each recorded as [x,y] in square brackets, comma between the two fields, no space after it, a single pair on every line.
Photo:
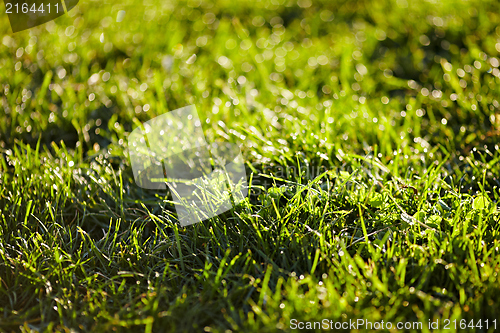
[370,131]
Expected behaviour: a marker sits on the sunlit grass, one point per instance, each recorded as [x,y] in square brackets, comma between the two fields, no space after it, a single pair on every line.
[370,131]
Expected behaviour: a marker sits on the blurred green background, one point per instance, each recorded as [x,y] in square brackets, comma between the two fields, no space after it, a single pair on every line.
[254,61]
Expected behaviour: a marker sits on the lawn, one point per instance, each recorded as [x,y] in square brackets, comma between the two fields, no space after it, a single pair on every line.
[370,131]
